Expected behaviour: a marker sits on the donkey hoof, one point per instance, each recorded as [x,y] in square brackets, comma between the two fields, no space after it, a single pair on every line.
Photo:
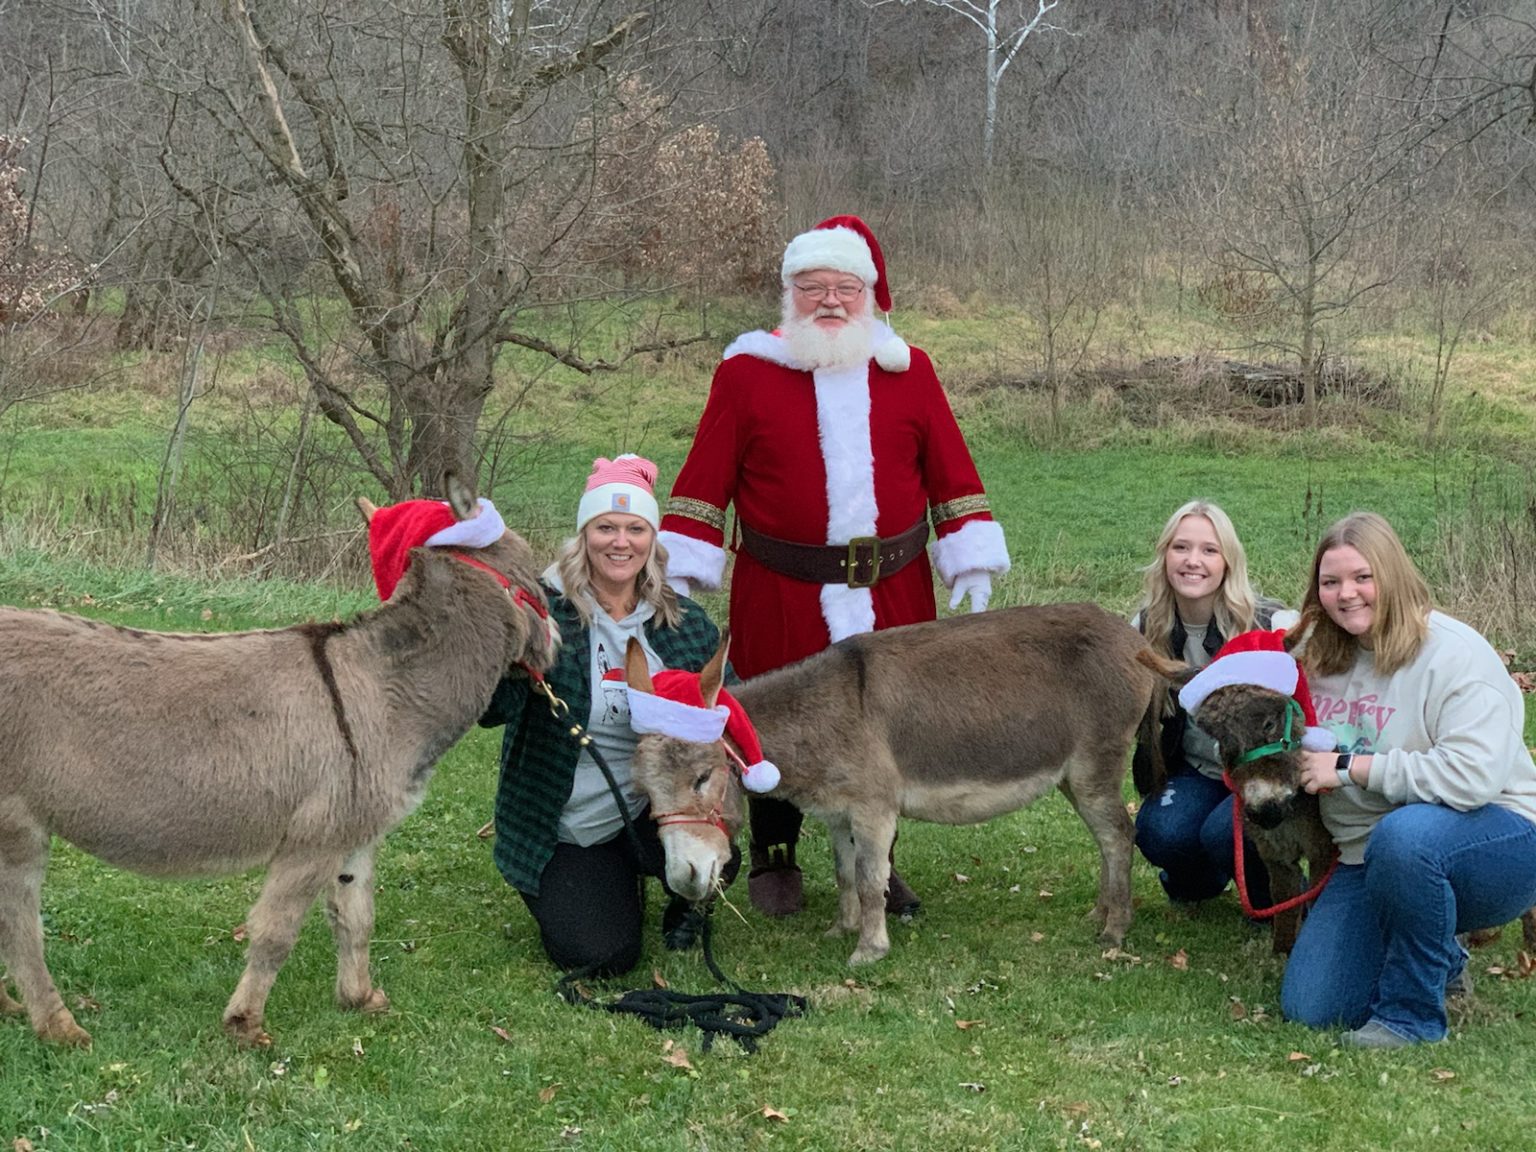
[60,1028]
[247,1033]
[867,955]
[375,1003]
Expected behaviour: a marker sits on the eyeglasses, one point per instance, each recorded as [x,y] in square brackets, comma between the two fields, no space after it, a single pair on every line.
[846,293]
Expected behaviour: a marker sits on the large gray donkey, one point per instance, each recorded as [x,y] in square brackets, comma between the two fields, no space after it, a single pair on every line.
[295,749]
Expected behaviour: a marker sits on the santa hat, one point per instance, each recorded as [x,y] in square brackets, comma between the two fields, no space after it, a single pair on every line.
[840,244]
[395,530]
[845,244]
[1259,658]
[676,709]
[622,485]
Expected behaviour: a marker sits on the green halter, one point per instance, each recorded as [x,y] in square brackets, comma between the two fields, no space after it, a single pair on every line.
[1285,744]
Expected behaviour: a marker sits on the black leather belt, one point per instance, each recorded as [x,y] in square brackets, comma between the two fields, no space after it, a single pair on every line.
[860,563]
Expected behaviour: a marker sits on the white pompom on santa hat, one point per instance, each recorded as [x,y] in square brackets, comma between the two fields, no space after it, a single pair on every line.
[395,530]
[676,709]
[1259,658]
[845,244]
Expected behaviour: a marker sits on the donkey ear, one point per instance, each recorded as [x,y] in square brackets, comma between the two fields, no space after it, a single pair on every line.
[713,675]
[368,509]
[637,672]
[461,498]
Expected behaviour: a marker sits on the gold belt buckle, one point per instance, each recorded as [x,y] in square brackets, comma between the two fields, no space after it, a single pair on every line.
[873,544]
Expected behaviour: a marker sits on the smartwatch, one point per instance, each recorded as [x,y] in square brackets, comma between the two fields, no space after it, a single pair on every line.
[1341,766]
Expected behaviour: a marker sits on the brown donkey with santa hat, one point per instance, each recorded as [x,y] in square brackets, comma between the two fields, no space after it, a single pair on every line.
[1253,700]
[834,441]
[295,749]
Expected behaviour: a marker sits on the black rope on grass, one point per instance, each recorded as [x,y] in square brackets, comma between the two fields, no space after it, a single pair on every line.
[744,1016]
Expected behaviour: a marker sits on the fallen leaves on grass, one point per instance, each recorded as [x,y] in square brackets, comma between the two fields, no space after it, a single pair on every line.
[1441,1075]
[677,1056]
[967,1025]
[1179,960]
[1298,1056]
[547,1093]
[771,1113]
[503,1033]
[239,934]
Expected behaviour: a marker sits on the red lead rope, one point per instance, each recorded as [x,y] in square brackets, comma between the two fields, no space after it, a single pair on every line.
[1241,876]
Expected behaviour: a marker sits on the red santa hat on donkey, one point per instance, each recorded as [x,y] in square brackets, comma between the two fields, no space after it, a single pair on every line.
[1259,658]
[845,244]
[395,530]
[676,709]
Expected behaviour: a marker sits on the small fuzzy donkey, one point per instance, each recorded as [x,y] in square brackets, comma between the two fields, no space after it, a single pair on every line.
[1279,815]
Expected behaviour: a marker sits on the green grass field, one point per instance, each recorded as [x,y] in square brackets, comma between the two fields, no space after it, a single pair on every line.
[996,1022]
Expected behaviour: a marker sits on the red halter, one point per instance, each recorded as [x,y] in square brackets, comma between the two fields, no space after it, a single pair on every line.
[714,818]
[520,596]
[1241,878]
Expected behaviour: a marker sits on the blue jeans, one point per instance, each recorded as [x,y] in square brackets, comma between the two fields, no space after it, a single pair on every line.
[1186,831]
[1380,943]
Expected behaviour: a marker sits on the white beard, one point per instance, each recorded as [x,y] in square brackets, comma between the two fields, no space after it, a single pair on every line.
[810,347]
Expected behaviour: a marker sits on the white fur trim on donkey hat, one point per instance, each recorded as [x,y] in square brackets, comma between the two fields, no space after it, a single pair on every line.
[676,708]
[1259,658]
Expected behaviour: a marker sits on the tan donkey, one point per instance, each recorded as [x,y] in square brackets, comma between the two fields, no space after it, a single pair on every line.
[295,749]
[954,721]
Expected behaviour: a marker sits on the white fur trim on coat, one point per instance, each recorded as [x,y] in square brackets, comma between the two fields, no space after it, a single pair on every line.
[693,559]
[842,421]
[835,249]
[649,712]
[976,546]
[483,528]
[891,352]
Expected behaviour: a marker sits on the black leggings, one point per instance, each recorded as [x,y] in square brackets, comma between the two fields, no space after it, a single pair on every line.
[591,903]
[772,822]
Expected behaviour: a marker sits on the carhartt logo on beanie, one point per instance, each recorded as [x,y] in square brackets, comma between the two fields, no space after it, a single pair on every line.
[625,484]
[676,709]
[395,530]
[1259,658]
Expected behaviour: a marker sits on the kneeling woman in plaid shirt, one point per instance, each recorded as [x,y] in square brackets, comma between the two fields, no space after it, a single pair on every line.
[560,838]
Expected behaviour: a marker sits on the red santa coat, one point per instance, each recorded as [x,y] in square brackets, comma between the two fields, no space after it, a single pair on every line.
[820,458]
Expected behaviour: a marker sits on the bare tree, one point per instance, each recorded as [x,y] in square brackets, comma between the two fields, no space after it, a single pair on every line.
[1005,25]
[441,167]
[1301,169]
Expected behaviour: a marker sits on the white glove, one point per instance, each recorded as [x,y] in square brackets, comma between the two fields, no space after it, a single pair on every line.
[681,585]
[975,584]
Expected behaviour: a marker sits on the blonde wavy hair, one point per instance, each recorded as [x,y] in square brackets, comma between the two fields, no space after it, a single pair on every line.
[1236,601]
[575,569]
[1400,621]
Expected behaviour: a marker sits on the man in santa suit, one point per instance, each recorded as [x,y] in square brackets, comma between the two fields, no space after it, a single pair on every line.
[835,442]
